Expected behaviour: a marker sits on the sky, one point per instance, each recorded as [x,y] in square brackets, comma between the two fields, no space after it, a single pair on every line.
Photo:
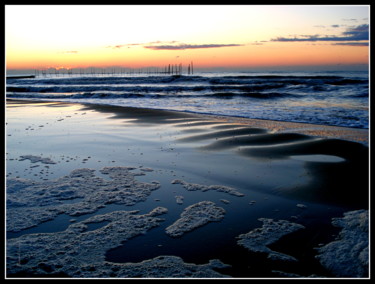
[212,36]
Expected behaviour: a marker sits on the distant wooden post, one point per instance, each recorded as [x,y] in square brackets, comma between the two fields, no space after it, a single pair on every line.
[192,67]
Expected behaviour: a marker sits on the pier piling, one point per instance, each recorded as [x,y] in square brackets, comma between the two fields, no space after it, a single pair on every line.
[170,69]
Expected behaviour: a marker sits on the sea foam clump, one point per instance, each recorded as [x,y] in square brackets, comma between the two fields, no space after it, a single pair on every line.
[200,187]
[80,253]
[258,239]
[195,216]
[30,203]
[36,159]
[348,256]
[67,251]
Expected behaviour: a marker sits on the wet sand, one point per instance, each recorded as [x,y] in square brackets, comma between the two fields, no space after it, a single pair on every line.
[307,174]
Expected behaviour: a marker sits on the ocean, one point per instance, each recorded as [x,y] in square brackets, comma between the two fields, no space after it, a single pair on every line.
[326,98]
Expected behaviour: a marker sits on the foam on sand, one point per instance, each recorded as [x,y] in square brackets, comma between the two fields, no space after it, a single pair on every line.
[80,253]
[193,187]
[258,239]
[36,159]
[30,203]
[179,199]
[348,256]
[195,216]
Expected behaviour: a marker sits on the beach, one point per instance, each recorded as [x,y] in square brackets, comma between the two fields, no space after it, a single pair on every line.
[100,191]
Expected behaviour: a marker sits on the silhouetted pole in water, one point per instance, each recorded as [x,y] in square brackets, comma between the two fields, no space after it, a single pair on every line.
[170,69]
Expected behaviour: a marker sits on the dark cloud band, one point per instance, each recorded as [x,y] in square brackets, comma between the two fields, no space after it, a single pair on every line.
[172,45]
[359,33]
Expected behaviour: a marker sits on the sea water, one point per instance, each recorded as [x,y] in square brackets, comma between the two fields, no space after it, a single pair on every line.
[327,98]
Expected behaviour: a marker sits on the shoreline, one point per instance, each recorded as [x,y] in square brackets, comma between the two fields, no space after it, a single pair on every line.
[359,135]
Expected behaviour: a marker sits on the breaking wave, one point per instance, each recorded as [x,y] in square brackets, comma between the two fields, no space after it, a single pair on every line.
[238,94]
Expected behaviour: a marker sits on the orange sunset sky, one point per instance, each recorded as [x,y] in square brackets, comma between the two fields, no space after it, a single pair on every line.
[212,36]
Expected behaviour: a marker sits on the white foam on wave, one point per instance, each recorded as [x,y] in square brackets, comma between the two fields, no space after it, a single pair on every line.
[321,98]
